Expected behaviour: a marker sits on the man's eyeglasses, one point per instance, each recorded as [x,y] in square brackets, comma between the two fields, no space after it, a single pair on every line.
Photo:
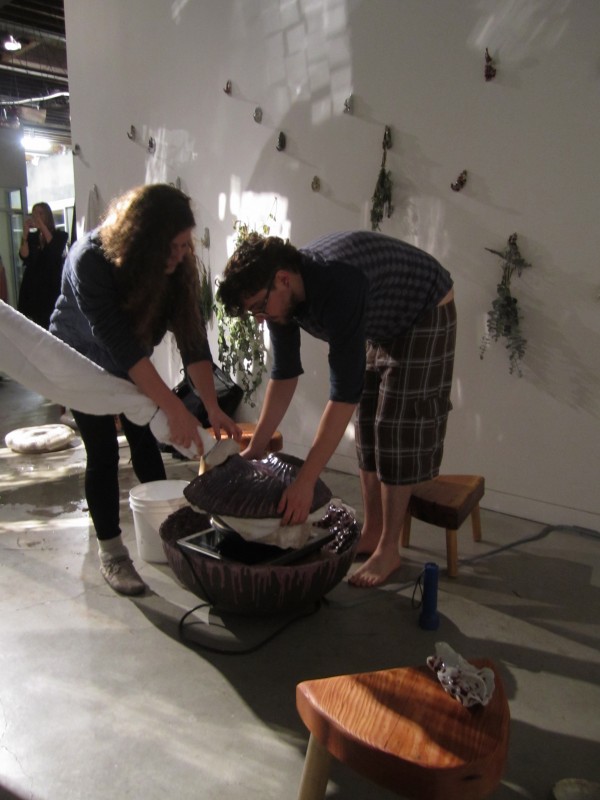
[261,308]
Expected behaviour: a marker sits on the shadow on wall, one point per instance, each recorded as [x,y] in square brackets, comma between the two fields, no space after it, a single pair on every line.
[553,361]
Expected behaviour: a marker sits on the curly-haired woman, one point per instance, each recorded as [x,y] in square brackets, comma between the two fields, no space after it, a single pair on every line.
[124,285]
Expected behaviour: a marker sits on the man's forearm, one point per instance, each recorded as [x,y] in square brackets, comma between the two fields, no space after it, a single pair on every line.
[278,397]
[332,427]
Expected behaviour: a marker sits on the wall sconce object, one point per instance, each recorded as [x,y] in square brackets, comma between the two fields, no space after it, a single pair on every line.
[459,182]
[132,133]
[281,141]
[151,145]
[76,150]
[315,184]
[257,114]
[349,105]
[205,239]
[227,88]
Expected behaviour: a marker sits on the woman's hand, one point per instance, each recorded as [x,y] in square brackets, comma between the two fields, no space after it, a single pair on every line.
[221,422]
[183,426]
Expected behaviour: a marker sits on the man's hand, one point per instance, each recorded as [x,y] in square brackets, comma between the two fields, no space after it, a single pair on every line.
[296,502]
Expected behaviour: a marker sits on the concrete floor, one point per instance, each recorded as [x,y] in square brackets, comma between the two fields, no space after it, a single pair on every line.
[101,698]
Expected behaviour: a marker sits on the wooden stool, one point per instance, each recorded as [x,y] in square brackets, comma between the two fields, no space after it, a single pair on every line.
[248,428]
[446,501]
[400,729]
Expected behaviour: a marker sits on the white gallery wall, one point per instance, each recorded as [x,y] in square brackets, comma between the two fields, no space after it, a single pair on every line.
[528,140]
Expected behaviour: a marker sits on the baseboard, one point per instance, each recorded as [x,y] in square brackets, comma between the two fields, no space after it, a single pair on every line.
[538,510]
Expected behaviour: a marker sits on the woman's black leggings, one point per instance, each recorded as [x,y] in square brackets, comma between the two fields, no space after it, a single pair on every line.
[99,435]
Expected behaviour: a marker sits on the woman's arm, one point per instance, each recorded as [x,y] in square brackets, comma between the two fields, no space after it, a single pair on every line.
[183,425]
[46,232]
[201,375]
[24,248]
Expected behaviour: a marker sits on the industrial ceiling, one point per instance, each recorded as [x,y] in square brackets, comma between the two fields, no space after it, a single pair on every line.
[34,86]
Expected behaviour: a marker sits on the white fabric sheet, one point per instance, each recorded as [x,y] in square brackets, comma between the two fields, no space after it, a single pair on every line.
[43,363]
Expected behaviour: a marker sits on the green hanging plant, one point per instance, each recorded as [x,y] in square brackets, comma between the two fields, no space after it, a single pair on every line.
[504,317]
[241,350]
[206,292]
[381,202]
[241,339]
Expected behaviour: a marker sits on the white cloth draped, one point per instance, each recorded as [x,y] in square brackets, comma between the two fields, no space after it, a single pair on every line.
[43,363]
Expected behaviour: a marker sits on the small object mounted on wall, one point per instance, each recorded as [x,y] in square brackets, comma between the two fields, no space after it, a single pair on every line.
[387,138]
[151,145]
[316,184]
[227,88]
[349,105]
[459,182]
[132,133]
[76,150]
[281,141]
[490,69]
[205,239]
[257,114]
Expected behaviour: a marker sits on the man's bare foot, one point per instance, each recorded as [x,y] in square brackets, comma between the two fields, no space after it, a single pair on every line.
[376,570]
[368,542]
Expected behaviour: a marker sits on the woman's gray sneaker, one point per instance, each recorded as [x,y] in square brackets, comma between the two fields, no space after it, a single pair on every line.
[121,575]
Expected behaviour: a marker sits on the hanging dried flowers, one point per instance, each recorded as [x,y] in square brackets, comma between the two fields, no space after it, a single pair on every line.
[504,317]
[381,202]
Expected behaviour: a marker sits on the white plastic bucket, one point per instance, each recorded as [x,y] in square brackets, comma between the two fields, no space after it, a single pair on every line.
[151,503]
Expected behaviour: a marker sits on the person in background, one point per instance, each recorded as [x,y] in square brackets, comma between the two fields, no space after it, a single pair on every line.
[387,311]
[124,285]
[42,251]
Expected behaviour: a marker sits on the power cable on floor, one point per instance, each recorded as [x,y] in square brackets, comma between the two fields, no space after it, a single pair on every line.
[367,596]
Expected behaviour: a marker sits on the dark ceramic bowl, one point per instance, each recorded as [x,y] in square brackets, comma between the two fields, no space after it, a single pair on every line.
[260,590]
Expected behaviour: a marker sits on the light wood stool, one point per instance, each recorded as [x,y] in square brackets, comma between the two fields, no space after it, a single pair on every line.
[400,729]
[446,501]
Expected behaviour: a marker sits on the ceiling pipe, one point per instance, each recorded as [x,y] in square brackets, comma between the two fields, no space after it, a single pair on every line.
[36,73]
[30,100]
[28,32]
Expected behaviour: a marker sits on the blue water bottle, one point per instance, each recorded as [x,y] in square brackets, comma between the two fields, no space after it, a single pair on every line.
[429,619]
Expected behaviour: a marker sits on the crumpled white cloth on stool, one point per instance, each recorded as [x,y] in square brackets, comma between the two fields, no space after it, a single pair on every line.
[43,363]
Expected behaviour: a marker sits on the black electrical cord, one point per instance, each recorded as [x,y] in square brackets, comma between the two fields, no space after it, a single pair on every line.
[245,651]
[211,604]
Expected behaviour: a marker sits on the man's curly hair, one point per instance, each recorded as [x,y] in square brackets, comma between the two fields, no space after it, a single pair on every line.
[252,267]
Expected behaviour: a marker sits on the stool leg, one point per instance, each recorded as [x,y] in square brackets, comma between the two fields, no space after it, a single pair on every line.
[315,775]
[405,541]
[452,552]
[476,523]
